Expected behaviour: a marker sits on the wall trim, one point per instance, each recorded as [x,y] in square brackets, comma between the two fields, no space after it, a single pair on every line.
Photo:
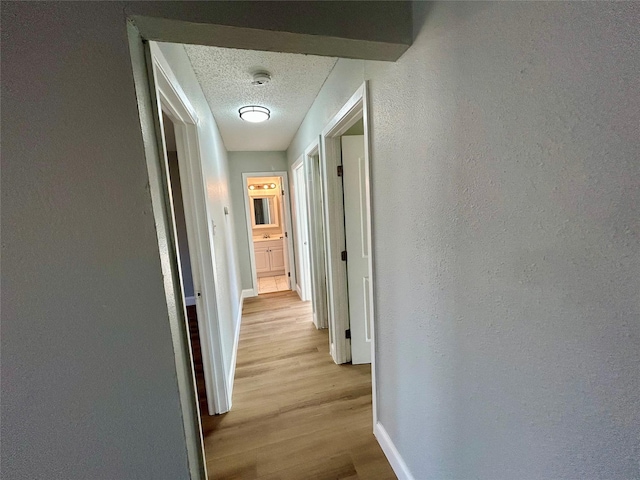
[299,291]
[248,293]
[391,452]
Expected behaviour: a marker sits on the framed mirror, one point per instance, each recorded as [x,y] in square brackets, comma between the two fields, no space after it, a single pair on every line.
[264,212]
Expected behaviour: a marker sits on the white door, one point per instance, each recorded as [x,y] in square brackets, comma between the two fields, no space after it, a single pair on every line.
[356,232]
[302,225]
[285,228]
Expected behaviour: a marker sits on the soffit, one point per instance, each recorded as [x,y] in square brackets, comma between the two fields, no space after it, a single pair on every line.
[225,76]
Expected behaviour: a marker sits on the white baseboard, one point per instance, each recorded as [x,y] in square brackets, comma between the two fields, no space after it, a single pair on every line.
[397,463]
[189,301]
[249,292]
[299,291]
[236,339]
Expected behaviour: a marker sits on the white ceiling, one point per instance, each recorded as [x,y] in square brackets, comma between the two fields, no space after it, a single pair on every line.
[225,76]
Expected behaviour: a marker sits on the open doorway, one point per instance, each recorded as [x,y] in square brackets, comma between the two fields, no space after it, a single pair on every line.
[186,275]
[347,212]
[270,354]
[268,225]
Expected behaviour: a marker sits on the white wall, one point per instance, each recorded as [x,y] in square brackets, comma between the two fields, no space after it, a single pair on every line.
[506,204]
[216,176]
[247,162]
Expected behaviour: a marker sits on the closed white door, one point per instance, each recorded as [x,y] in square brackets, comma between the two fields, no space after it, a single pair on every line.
[356,231]
[302,232]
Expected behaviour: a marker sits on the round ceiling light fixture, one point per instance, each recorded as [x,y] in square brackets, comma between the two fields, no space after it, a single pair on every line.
[254,113]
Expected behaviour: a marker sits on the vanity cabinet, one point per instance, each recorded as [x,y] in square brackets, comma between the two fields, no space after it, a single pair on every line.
[269,257]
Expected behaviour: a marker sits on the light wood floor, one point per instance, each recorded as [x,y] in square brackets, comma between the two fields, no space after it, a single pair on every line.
[295,414]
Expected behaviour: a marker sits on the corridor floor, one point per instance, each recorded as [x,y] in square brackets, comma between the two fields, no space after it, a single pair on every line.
[296,414]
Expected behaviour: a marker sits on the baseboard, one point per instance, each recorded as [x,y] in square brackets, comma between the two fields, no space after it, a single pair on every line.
[249,292]
[299,291]
[189,301]
[236,339]
[397,463]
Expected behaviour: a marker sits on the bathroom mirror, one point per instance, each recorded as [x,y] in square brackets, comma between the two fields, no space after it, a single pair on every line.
[264,212]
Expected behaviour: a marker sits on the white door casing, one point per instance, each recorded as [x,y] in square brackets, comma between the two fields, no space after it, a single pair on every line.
[175,104]
[354,179]
[319,288]
[287,236]
[301,230]
[356,108]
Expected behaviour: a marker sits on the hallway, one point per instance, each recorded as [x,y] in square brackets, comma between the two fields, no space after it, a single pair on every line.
[295,414]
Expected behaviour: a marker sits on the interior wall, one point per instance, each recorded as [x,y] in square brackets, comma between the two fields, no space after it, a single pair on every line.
[89,382]
[248,162]
[89,387]
[507,289]
[507,301]
[216,177]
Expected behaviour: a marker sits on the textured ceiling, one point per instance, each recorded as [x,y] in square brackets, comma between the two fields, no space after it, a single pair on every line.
[225,76]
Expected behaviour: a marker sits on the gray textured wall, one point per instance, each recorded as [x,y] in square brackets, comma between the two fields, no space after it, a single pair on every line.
[507,299]
[506,202]
[247,162]
[89,385]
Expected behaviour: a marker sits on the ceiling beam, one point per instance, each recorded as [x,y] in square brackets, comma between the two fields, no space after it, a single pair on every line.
[367,30]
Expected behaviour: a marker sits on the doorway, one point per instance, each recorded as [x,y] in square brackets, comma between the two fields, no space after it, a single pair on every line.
[186,276]
[268,220]
[347,210]
[172,104]
[266,213]
[316,230]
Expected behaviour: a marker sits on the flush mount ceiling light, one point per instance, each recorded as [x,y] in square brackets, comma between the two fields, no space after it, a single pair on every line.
[254,113]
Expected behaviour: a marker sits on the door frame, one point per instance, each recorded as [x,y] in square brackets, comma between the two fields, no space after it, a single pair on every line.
[286,207]
[356,108]
[300,216]
[173,101]
[317,247]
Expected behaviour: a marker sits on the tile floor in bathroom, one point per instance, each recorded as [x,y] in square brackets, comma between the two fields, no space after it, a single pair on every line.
[272,284]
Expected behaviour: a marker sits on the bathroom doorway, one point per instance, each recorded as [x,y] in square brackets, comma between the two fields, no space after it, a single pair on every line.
[268,228]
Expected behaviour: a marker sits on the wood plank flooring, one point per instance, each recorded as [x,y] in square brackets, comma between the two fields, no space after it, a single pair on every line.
[296,414]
